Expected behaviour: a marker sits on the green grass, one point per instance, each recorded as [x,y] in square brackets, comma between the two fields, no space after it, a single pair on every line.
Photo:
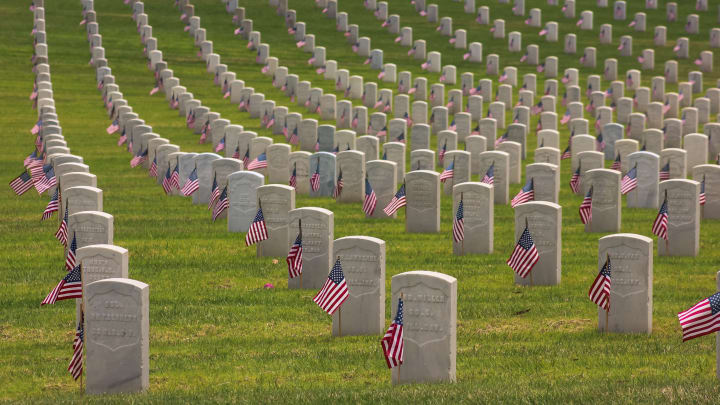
[218,336]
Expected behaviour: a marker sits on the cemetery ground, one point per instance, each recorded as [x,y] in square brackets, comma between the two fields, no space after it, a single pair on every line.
[217,335]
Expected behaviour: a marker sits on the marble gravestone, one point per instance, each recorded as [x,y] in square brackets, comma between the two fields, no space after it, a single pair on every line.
[606,206]
[363,262]
[710,174]
[478,212]
[430,324]
[318,230]
[91,228]
[631,292]
[81,198]
[683,227]
[324,164]
[544,221]
[117,341]
[277,201]
[203,162]
[242,194]
[423,201]
[382,175]
[645,195]
[351,164]
[102,261]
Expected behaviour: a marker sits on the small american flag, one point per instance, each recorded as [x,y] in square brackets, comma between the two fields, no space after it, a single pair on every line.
[335,291]
[448,173]
[153,167]
[236,154]
[586,207]
[70,258]
[294,257]
[502,139]
[617,164]
[76,364]
[69,287]
[221,145]
[489,177]
[575,181]
[258,230]
[175,177]
[459,224]
[702,319]
[46,182]
[22,183]
[392,343]
[702,192]
[441,155]
[397,202]
[259,162]
[61,233]
[665,172]
[524,256]
[246,157]
[138,159]
[222,204]
[600,289]
[338,186]
[315,179]
[370,201]
[629,181]
[526,194]
[294,136]
[600,142]
[214,193]
[566,154]
[192,184]
[660,227]
[54,204]
[167,186]
[293,177]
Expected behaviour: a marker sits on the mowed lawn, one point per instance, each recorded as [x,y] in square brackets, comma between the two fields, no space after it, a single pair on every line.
[216,335]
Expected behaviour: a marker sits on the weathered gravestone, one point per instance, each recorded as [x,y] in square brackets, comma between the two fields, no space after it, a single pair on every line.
[324,164]
[81,198]
[242,194]
[478,217]
[645,195]
[363,262]
[318,230]
[710,174]
[203,162]
[683,225]
[546,180]
[430,323]
[544,221]
[91,228]
[631,291]
[423,201]
[606,206]
[351,164]
[277,202]
[117,341]
[382,176]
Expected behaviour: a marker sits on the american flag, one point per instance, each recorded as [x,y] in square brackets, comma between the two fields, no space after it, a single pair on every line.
[665,172]
[441,155]
[600,142]
[629,181]
[524,256]
[586,207]
[566,154]
[294,136]
[294,257]
[69,287]
[335,291]
[315,179]
[258,230]
[220,146]
[192,184]
[392,343]
[259,162]
[397,202]
[153,167]
[459,223]
[214,193]
[54,204]
[175,177]
[138,159]
[370,201]
[502,139]
[702,319]
[122,139]
[659,227]
[61,233]
[617,164]
[222,204]
[31,158]
[526,194]
[600,289]
[46,182]
[246,157]
[702,192]
[236,154]
[76,364]
[166,184]
[448,173]
[338,186]
[38,170]
[489,177]
[70,258]
[293,176]
[575,181]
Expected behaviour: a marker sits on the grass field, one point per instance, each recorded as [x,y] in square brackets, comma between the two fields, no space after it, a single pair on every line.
[217,335]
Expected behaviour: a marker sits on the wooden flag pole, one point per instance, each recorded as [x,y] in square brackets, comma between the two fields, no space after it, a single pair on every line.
[462,242]
[300,232]
[607,311]
[667,236]
[339,316]
[82,319]
[528,228]
[452,179]
[702,207]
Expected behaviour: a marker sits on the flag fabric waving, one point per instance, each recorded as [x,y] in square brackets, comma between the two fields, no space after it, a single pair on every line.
[448,173]
[702,319]
[334,293]
[221,205]
[54,205]
[214,193]
[665,172]
[660,227]
[70,258]
[566,154]
[338,186]
[600,289]
[69,287]
[293,177]
[61,233]
[629,181]
[175,177]
[489,177]
[459,223]
[586,207]
[140,158]
[702,198]
[258,230]
[526,194]
[524,256]
[575,181]
[315,179]
[397,202]
[294,257]
[617,164]
[259,162]
[22,183]
[76,364]
[392,343]
[153,168]
[370,201]
[167,187]
[192,184]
